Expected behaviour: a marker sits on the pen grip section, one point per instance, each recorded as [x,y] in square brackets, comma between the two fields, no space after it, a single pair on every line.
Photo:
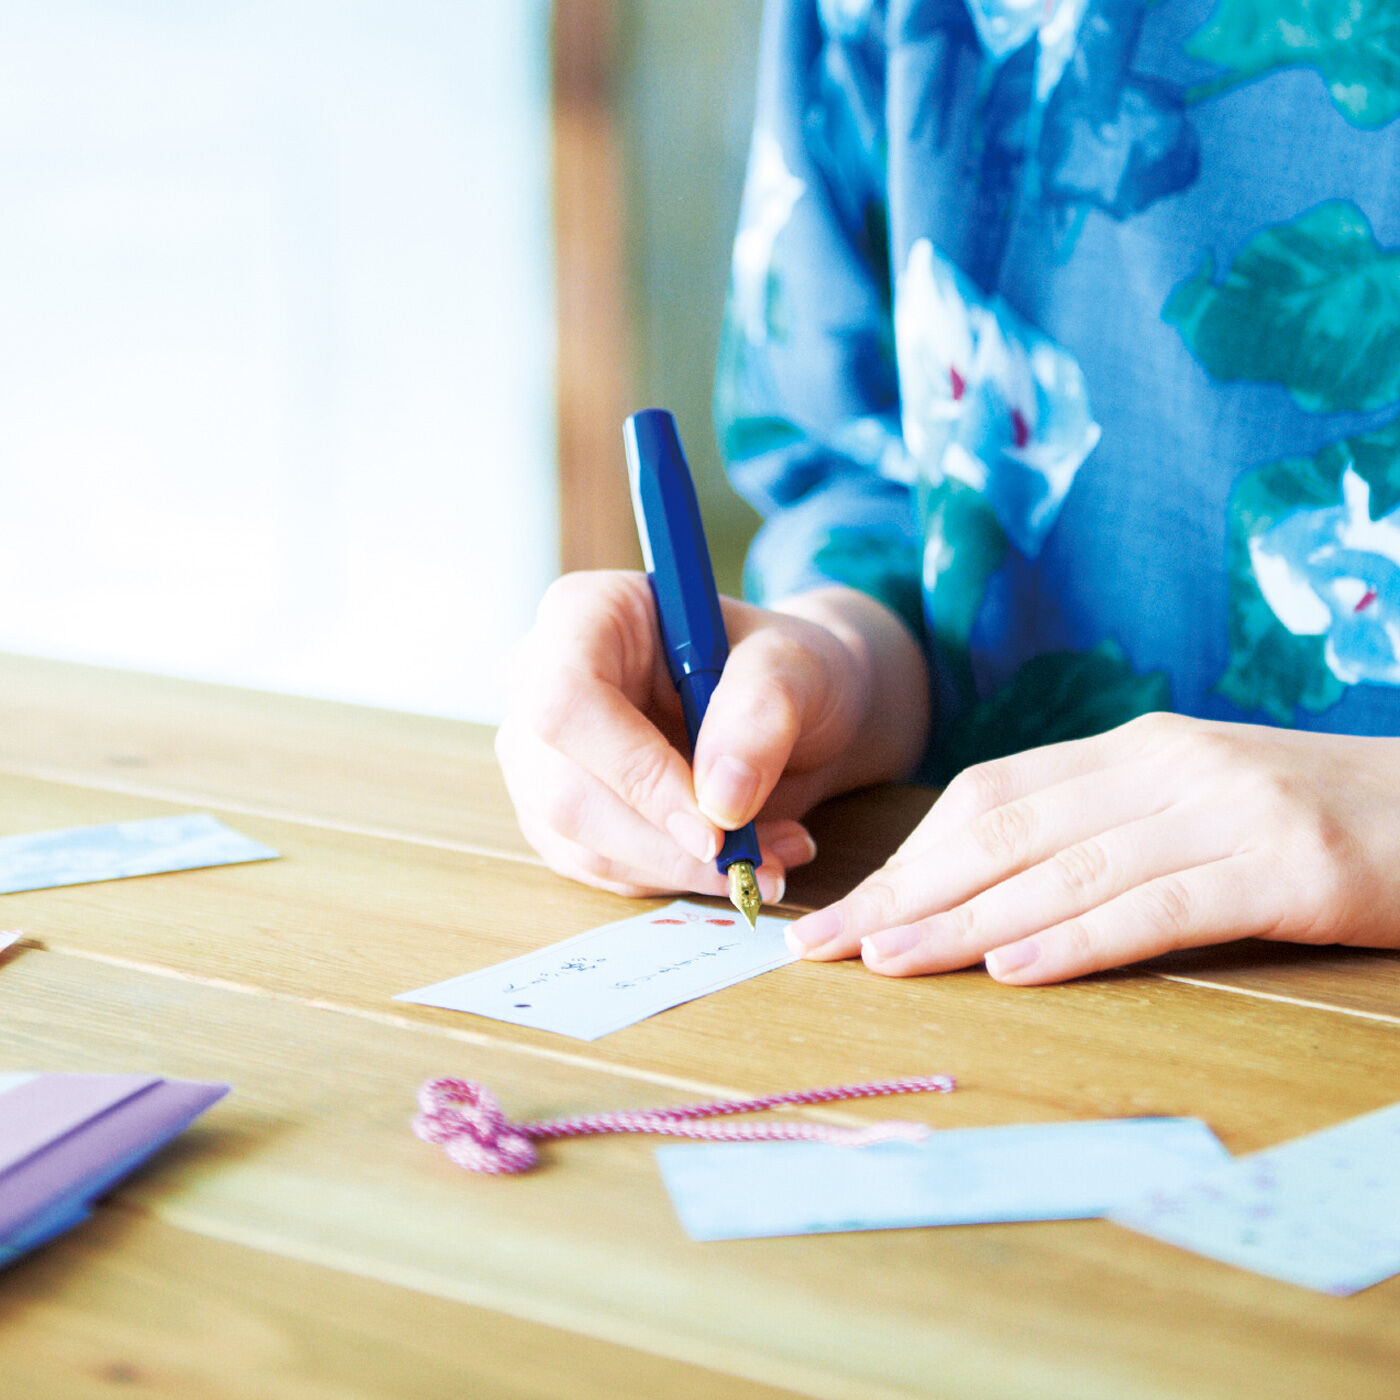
[739,845]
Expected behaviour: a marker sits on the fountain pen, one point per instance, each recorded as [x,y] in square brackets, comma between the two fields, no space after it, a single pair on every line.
[687,604]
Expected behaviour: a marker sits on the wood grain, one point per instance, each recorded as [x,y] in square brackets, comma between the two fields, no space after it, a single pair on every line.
[415,776]
[348,921]
[309,1159]
[301,1220]
[434,780]
[130,1306]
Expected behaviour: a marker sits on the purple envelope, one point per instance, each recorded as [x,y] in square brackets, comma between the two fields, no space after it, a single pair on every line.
[67,1138]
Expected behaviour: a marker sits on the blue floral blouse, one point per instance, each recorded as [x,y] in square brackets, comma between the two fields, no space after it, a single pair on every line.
[1071,330]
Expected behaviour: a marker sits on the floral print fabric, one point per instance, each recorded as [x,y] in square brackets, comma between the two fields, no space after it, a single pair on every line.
[1071,330]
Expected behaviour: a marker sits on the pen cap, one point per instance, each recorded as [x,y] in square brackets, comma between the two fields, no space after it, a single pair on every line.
[673,545]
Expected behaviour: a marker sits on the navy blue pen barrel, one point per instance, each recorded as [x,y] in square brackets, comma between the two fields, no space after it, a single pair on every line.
[695,690]
[682,580]
[673,542]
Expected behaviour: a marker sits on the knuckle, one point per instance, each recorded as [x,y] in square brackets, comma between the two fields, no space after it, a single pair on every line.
[1162,732]
[1076,944]
[877,903]
[1081,869]
[1167,908]
[1157,724]
[1005,833]
[961,926]
[982,787]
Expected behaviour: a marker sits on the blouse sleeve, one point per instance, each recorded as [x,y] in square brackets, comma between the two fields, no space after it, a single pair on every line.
[807,400]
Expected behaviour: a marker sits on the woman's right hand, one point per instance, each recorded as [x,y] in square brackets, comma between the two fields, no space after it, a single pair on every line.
[827,693]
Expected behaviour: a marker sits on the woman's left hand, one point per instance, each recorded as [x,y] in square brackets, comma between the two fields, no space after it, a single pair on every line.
[1165,833]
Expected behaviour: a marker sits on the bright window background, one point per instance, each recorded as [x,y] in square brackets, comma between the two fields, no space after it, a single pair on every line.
[276,395]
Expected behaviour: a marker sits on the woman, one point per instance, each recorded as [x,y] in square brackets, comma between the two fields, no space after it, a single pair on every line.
[1063,361]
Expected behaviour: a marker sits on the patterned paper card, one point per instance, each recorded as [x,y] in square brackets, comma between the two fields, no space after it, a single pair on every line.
[1322,1211]
[621,973]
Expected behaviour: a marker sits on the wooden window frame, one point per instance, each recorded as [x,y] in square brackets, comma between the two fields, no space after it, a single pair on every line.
[594,337]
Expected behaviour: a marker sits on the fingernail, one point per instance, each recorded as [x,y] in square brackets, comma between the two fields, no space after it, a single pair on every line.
[693,836]
[890,942]
[1013,957]
[794,848]
[771,885]
[812,930]
[730,788]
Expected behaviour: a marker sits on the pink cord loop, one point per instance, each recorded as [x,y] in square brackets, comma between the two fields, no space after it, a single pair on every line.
[466,1119]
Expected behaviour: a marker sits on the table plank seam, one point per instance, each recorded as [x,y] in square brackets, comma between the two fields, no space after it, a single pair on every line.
[480,1039]
[67,778]
[1279,997]
[224,805]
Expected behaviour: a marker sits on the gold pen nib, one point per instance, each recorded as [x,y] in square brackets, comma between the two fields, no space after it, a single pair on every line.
[743,891]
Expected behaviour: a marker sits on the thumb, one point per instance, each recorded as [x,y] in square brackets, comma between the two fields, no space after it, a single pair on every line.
[772,699]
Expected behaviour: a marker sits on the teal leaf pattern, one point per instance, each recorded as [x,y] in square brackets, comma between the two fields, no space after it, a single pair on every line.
[1052,698]
[1375,458]
[1354,45]
[1271,668]
[964,546]
[885,566]
[752,437]
[1313,305]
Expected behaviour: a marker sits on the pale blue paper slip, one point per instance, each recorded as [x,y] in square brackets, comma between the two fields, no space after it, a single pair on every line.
[81,855]
[958,1176]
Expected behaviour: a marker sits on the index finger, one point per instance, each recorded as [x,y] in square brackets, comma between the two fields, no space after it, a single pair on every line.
[1003,782]
[580,685]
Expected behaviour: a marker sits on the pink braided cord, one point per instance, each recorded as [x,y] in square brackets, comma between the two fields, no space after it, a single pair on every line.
[466,1119]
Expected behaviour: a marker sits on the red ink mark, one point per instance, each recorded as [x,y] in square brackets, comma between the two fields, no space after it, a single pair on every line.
[668,921]
[723,923]
[1019,428]
[958,383]
[1367,598]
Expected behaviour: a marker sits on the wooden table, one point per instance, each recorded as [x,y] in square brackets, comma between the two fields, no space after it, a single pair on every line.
[299,1242]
